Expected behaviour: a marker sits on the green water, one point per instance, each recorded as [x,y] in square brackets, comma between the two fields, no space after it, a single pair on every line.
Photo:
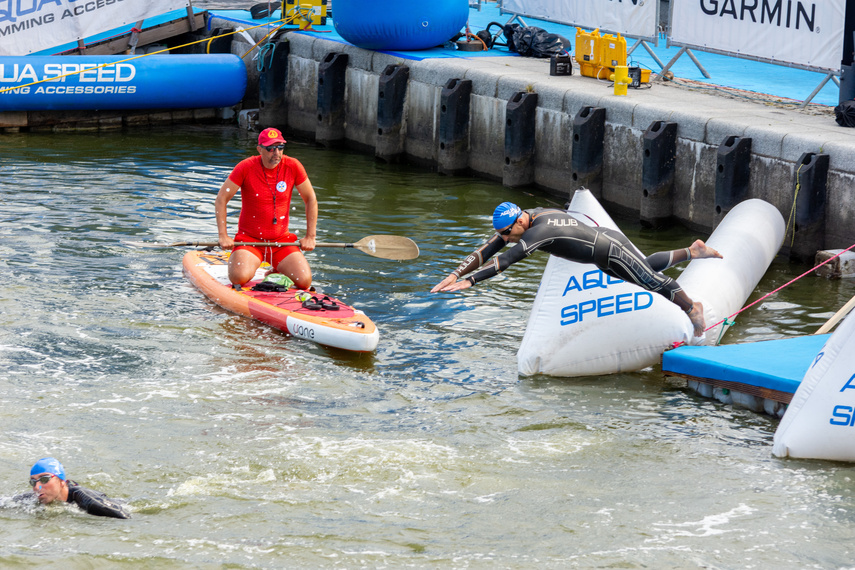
[237,446]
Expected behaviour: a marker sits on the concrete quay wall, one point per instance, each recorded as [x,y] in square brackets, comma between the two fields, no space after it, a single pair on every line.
[779,136]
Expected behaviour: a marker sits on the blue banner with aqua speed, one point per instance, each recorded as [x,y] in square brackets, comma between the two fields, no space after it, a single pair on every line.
[55,83]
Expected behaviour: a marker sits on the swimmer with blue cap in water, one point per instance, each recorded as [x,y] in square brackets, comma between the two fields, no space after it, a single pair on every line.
[49,484]
[555,231]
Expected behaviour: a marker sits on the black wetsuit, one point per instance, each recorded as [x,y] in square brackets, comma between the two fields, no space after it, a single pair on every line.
[557,232]
[93,502]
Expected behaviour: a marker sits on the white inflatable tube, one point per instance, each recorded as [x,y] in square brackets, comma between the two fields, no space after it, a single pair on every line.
[748,237]
[820,421]
[585,323]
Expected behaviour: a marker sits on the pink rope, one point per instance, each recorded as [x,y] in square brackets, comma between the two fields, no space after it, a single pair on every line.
[790,282]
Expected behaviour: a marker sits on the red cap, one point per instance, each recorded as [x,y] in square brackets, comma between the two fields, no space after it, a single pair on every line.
[270,136]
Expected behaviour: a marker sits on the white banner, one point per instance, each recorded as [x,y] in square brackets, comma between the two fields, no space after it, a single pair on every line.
[28,26]
[633,18]
[804,33]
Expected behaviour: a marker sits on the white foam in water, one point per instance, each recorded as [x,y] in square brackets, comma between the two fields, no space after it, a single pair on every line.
[712,525]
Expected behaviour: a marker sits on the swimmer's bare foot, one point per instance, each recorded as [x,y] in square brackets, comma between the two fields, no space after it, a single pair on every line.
[696,315]
[700,250]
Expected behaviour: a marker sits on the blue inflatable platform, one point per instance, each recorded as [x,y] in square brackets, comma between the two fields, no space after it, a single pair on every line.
[777,365]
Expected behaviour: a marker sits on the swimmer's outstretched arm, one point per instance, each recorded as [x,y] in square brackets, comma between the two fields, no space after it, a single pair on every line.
[475,260]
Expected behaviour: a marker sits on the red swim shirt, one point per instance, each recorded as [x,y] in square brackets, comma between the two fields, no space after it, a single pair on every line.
[265,193]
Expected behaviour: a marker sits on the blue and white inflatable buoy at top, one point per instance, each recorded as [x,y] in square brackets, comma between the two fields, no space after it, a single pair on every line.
[399,24]
[584,322]
[98,82]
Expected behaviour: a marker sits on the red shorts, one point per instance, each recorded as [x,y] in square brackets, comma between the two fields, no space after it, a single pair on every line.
[272,255]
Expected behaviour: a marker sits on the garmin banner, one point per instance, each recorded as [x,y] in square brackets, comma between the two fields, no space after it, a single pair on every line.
[28,26]
[800,32]
[633,18]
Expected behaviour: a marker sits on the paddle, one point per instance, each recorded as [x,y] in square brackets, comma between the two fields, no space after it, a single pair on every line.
[838,316]
[398,248]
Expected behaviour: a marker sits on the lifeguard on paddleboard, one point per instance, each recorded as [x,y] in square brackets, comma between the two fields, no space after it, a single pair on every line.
[262,272]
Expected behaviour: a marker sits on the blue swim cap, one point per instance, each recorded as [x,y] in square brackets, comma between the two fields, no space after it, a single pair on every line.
[505,215]
[48,465]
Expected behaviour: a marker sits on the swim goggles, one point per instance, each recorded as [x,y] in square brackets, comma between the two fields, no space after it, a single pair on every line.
[44,480]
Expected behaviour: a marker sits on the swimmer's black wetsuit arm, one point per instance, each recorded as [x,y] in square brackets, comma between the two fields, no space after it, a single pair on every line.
[26,498]
[503,261]
[541,234]
[95,502]
[477,258]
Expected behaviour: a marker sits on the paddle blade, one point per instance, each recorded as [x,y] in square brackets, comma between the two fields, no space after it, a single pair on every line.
[398,248]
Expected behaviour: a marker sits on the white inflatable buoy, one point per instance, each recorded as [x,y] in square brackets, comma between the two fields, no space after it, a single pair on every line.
[820,421]
[584,322]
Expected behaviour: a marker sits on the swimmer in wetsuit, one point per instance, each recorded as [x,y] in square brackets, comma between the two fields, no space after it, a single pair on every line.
[557,232]
[47,478]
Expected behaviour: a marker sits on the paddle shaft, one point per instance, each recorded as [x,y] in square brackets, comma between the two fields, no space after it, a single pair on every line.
[256,244]
[384,246]
[288,243]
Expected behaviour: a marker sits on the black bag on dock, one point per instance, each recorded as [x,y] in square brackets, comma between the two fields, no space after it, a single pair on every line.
[844,114]
[530,41]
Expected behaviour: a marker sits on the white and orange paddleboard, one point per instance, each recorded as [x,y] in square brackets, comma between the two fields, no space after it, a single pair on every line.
[320,319]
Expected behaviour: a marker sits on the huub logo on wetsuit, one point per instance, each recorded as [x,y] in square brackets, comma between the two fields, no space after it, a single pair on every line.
[561,223]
